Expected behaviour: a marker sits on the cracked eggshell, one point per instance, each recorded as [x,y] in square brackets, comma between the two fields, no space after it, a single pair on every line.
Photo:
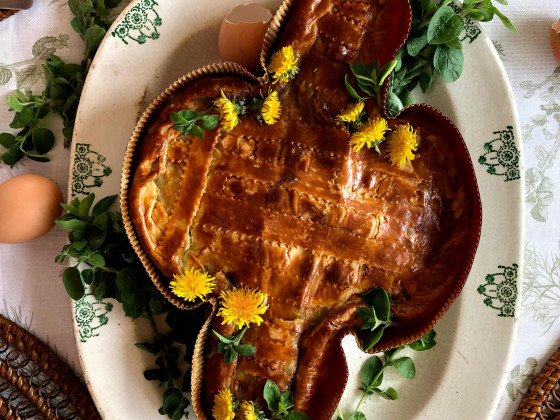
[555,40]
[29,204]
[241,35]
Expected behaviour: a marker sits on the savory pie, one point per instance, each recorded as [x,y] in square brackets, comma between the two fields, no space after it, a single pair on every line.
[291,210]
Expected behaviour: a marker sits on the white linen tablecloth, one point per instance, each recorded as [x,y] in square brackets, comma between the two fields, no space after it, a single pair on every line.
[31,290]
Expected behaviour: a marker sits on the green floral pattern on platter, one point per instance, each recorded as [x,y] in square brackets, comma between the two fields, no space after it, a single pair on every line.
[91,314]
[501,155]
[500,290]
[472,31]
[89,169]
[139,24]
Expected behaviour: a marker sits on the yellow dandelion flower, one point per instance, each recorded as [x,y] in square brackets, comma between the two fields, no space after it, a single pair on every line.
[248,410]
[242,306]
[369,134]
[401,144]
[271,108]
[228,113]
[223,405]
[351,113]
[283,65]
[192,284]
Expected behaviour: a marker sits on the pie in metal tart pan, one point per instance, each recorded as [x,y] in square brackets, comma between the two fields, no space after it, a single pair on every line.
[293,211]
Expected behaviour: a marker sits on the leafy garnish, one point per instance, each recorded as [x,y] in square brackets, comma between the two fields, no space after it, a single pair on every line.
[369,79]
[372,372]
[102,259]
[186,122]
[376,317]
[434,47]
[230,346]
[280,404]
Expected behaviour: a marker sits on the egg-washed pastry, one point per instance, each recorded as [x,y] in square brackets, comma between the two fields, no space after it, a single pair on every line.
[293,209]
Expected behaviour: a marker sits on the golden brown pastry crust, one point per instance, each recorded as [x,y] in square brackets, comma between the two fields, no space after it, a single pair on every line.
[291,210]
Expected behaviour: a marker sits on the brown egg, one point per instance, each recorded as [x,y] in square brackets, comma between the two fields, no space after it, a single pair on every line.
[29,204]
[555,40]
[241,35]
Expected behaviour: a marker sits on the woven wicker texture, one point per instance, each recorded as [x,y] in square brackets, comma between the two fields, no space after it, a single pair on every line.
[7,13]
[35,382]
[542,399]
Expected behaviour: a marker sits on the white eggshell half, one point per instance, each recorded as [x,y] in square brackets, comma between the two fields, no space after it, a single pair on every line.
[241,35]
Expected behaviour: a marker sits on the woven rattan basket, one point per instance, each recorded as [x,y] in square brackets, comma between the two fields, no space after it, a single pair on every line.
[542,399]
[35,382]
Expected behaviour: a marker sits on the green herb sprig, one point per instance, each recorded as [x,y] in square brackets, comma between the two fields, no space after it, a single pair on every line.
[376,317]
[230,346]
[369,79]
[186,122]
[64,84]
[433,46]
[372,372]
[104,260]
[280,404]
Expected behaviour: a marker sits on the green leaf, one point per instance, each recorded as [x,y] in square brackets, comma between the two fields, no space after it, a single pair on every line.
[87,276]
[405,365]
[394,104]
[245,350]
[426,81]
[93,37]
[271,395]
[156,306]
[387,393]
[227,340]
[85,204]
[406,98]
[103,205]
[73,224]
[12,155]
[133,305]
[210,122]
[351,91]
[76,7]
[73,283]
[79,26]
[172,398]
[68,133]
[127,281]
[448,62]
[455,43]
[507,23]
[96,260]
[357,415]
[21,119]
[361,70]
[14,104]
[417,44]
[425,343]
[380,300]
[95,236]
[184,116]
[197,131]
[370,370]
[444,26]
[230,355]
[295,415]
[7,140]
[371,338]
